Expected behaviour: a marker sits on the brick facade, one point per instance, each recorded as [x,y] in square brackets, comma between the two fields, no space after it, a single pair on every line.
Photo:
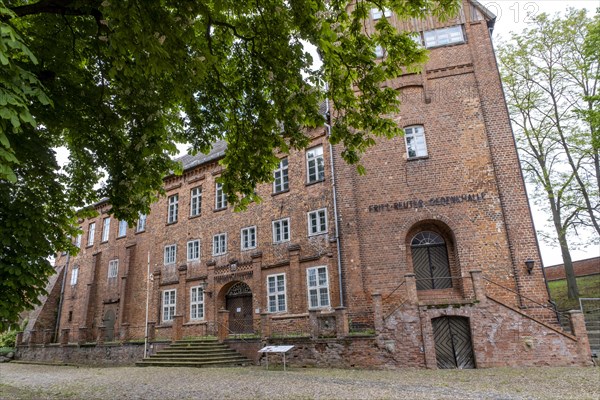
[467,191]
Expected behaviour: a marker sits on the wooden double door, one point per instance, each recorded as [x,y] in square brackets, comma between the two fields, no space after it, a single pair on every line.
[238,302]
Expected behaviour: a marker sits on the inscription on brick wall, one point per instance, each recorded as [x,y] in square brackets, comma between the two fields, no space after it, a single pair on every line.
[434,201]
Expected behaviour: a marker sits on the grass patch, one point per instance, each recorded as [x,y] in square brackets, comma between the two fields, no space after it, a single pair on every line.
[589,286]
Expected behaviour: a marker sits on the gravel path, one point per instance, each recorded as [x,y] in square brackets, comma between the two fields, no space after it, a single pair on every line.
[20,381]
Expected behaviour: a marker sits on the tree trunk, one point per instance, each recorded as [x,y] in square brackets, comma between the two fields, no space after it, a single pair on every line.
[572,289]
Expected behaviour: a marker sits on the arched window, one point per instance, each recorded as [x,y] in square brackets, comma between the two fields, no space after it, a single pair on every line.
[430,261]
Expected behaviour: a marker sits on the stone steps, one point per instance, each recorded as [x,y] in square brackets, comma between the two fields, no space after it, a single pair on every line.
[195,353]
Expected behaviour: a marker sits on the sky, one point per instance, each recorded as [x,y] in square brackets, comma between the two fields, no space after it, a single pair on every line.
[512,16]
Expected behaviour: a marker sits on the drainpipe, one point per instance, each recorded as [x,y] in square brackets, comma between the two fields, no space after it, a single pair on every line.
[335,210]
[60,300]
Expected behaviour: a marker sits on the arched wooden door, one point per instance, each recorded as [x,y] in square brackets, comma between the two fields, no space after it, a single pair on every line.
[430,261]
[109,325]
[238,301]
[453,345]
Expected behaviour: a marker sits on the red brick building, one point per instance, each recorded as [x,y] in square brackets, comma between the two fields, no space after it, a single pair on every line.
[430,259]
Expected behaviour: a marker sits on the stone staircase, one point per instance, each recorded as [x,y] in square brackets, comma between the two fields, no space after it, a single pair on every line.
[195,353]
[592,324]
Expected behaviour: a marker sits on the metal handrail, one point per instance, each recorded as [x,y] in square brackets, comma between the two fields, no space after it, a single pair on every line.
[230,331]
[551,306]
[392,292]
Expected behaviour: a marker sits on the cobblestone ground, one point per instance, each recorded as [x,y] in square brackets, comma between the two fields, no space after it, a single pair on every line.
[21,381]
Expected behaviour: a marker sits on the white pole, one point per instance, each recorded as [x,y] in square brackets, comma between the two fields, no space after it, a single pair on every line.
[147,301]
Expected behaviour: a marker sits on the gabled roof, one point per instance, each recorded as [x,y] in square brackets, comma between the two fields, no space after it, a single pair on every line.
[218,150]
[489,16]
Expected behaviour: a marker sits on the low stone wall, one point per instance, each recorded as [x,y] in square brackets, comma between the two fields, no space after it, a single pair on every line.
[590,266]
[106,355]
[247,347]
[350,352]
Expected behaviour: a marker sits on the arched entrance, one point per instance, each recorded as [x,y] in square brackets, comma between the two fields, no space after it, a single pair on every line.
[430,261]
[453,346]
[109,325]
[238,301]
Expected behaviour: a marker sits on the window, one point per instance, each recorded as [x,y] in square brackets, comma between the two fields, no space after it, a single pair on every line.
[414,136]
[193,250]
[141,224]
[105,229]
[276,293]
[170,254]
[173,208]
[91,231]
[122,228]
[379,51]
[377,13]
[281,230]
[196,303]
[220,197]
[249,238]
[281,184]
[444,36]
[195,201]
[430,261]
[113,268]
[315,164]
[318,287]
[219,244]
[74,275]
[78,241]
[317,222]
[168,306]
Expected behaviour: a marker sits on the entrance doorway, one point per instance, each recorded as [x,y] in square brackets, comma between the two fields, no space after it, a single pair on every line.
[453,345]
[238,301]
[430,261]
[109,326]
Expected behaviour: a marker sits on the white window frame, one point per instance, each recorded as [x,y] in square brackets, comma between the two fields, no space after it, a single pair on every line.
[91,233]
[376,13]
[220,197]
[169,304]
[78,241]
[122,228]
[196,303]
[74,275]
[219,244]
[141,223]
[193,250]
[444,36]
[414,139]
[170,254]
[281,181]
[317,288]
[195,201]
[248,238]
[318,228]
[315,160]
[173,209]
[275,293]
[105,229]
[113,268]
[281,230]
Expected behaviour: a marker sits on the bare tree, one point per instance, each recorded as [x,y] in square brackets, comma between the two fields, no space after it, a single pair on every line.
[549,78]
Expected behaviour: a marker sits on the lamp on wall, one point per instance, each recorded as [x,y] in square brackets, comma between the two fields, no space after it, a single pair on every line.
[529,263]
[203,286]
